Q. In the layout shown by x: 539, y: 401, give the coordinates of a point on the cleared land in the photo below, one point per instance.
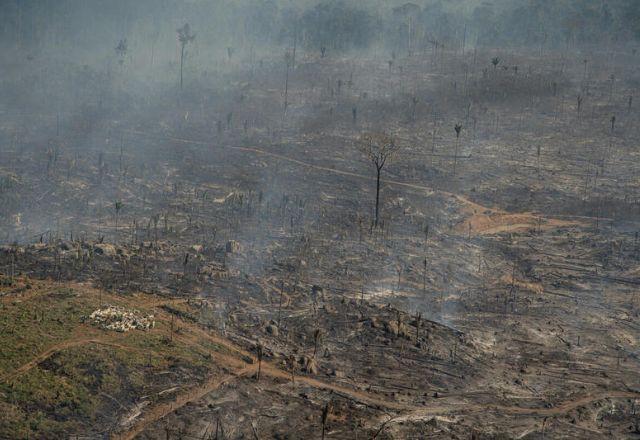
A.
x: 497, y: 300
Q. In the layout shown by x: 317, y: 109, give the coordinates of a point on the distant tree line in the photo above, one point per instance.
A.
x: 323, y: 25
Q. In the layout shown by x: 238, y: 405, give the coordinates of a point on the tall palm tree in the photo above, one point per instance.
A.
x: 184, y: 37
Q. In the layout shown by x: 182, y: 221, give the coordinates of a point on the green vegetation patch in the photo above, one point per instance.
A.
x: 84, y: 388
x: 28, y: 327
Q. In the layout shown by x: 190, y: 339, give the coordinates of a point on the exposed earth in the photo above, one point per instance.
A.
x: 236, y: 242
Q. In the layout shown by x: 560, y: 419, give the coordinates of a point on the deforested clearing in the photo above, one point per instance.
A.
x: 319, y: 219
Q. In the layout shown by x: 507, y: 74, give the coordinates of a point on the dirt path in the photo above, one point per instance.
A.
x: 243, y: 369
x: 194, y: 394
x: 561, y: 409
x: 415, y: 413
x: 268, y: 369
x: 481, y: 220
x: 81, y: 338
x: 360, y: 396
x: 246, y: 365
x: 411, y: 412
x: 71, y: 343
x: 488, y: 221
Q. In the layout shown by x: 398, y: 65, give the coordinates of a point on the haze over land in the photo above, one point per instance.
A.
x: 335, y: 219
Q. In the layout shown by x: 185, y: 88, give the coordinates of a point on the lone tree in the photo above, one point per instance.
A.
x: 184, y: 37
x: 458, y: 129
x: 379, y: 148
x: 613, y: 123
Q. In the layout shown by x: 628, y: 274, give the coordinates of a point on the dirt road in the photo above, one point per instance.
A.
x: 481, y: 219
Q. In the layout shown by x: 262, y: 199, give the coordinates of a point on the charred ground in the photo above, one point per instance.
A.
x: 499, y: 300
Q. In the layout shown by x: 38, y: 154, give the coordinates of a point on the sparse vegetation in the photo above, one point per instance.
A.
x: 293, y: 242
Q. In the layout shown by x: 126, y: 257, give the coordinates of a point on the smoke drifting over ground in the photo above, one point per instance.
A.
x: 319, y: 219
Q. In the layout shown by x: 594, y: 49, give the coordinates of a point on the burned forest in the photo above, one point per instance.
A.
x: 319, y: 219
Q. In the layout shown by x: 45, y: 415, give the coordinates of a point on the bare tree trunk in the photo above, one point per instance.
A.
x: 18, y: 25
x: 295, y: 44
x: 455, y: 156
x: 181, y: 64
x: 286, y: 89
x: 280, y: 303
x: 378, y: 170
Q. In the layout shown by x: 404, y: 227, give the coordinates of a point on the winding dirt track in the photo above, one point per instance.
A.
x: 81, y: 338
x: 562, y: 408
x: 407, y: 412
x: 194, y: 394
x: 411, y: 413
x: 481, y: 221
x: 71, y: 343
x: 244, y: 369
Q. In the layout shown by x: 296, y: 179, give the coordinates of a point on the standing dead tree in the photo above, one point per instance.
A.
x: 579, y: 105
x: 288, y: 60
x: 184, y: 37
x: 458, y: 129
x: 280, y: 303
x: 325, y: 415
x: 260, y: 353
x: 613, y: 123
x: 292, y: 365
x: 317, y: 334
x: 117, y: 206
x: 378, y: 148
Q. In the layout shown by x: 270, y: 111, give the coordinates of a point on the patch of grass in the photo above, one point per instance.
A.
x: 86, y: 386
x: 44, y: 403
x: 28, y: 327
